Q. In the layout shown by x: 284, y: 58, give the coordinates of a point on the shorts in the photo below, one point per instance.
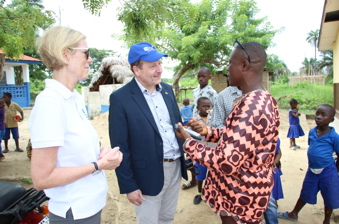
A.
x: 15, y: 133
x: 202, y: 174
x: 327, y: 182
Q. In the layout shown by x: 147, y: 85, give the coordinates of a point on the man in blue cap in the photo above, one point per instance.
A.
x: 142, y: 116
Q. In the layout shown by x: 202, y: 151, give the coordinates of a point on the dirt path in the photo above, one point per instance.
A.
x: 16, y: 167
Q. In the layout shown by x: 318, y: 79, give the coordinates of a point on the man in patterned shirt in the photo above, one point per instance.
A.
x: 240, y: 180
x: 204, y: 90
x: 224, y: 105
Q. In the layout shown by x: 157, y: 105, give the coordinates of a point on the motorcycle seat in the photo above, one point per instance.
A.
x: 9, y: 193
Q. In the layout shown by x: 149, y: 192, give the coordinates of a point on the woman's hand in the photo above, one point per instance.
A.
x: 111, y: 159
x: 104, y: 151
x: 182, y: 134
x: 198, y: 126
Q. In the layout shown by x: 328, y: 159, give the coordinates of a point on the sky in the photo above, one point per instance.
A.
x: 298, y: 17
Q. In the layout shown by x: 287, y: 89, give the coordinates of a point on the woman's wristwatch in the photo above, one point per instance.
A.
x: 96, y: 168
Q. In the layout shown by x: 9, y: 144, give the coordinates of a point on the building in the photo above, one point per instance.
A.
x: 329, y: 40
x: 20, y: 93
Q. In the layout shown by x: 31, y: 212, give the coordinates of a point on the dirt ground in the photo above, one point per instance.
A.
x: 16, y: 168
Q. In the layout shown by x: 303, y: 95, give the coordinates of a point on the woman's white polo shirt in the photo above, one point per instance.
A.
x: 59, y: 118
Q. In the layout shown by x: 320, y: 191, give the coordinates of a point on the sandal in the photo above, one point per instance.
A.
x: 187, y: 185
x: 5, y: 151
x: 18, y: 150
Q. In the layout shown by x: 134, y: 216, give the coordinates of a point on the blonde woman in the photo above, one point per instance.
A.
x: 67, y: 162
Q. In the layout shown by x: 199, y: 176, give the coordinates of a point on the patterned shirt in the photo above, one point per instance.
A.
x: 240, y: 180
x: 208, y: 92
x: 223, y: 107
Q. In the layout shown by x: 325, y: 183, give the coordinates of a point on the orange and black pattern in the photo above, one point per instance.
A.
x: 240, y: 180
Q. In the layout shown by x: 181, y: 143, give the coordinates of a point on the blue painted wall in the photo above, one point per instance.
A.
x: 20, y: 94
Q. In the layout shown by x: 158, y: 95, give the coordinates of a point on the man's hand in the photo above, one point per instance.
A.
x: 135, y: 197
x: 182, y: 134
x: 198, y: 126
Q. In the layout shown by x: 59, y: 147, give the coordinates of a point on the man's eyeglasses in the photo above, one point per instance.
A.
x: 86, y: 52
x: 236, y: 43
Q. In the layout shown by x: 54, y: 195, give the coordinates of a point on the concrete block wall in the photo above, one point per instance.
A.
x: 94, y: 105
x: 219, y: 81
x: 106, y: 91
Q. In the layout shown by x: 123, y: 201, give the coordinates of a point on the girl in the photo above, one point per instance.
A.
x: 277, y: 191
x: 295, y: 130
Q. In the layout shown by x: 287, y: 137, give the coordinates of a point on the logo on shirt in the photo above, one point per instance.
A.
x: 85, y: 113
x: 148, y: 49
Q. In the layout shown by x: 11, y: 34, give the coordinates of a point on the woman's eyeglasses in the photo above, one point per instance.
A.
x: 236, y: 43
x: 86, y: 52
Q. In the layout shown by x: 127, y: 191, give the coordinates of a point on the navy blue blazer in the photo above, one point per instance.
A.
x: 133, y: 128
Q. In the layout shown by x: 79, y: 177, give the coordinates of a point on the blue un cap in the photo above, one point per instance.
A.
x: 144, y: 51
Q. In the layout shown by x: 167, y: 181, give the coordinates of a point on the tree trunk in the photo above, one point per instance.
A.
x: 2, y: 63
x: 178, y: 75
x: 18, y: 75
x: 315, y: 59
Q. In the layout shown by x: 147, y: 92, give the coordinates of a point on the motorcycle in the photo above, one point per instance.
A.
x: 21, y: 206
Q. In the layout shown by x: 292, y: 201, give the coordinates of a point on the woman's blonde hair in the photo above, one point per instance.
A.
x: 54, y: 41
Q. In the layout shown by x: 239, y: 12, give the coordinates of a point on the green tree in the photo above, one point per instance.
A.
x: 327, y: 62
x: 97, y: 56
x: 196, y: 34
x: 20, y: 22
x: 312, y: 38
x: 308, y: 67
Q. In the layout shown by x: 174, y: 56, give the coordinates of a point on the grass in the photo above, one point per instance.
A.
x: 29, y: 180
x: 309, y: 96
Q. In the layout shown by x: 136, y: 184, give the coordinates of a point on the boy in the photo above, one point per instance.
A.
x: 11, y: 109
x: 203, y: 106
x: 322, y: 173
x: 2, y: 125
x: 204, y: 74
x: 186, y: 111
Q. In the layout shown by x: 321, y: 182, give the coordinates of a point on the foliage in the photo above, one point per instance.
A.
x: 195, y: 34
x: 97, y: 56
x: 308, y: 67
x: 309, y: 96
x: 19, y: 25
x: 282, y: 79
x: 327, y: 62
x: 37, y: 71
x: 312, y: 38
x: 277, y: 66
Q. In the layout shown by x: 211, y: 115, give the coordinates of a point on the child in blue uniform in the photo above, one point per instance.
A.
x: 277, y: 191
x: 203, y: 106
x: 186, y: 111
x: 322, y: 173
x: 295, y: 130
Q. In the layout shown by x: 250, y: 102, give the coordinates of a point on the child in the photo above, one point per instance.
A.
x: 322, y: 173
x: 203, y: 106
x: 204, y: 74
x: 295, y: 130
x: 203, y: 90
x: 277, y: 191
x: 2, y: 125
x: 11, y: 109
x: 186, y: 111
